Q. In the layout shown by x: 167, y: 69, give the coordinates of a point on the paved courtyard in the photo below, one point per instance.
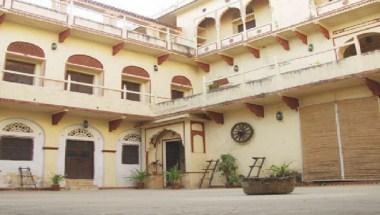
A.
x: 341, y: 200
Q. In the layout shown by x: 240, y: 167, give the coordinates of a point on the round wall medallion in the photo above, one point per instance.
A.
x: 242, y: 132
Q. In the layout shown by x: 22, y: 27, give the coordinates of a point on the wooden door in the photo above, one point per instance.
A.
x: 79, y: 159
x: 321, y: 156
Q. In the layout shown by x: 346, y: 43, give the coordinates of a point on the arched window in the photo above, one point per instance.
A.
x: 134, y: 83
x: 368, y: 42
x: 23, y: 61
x: 180, y: 87
x: 206, y: 31
x: 86, y: 71
x: 230, y: 23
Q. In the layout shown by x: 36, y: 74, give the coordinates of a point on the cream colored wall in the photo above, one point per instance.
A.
x: 113, y: 65
x: 54, y: 133
x: 278, y: 141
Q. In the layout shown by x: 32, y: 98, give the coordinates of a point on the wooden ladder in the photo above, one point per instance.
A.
x: 26, y: 178
x: 258, y: 162
x: 210, y: 169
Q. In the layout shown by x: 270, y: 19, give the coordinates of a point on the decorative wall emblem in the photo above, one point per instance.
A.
x: 80, y: 132
x: 132, y: 138
x: 18, y: 127
x: 242, y: 132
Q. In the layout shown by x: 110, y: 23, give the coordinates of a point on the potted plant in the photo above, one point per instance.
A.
x: 281, y: 181
x: 173, y: 177
x: 139, y: 177
x: 56, y: 180
x: 228, y: 168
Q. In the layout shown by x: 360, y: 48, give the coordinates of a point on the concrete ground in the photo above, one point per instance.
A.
x: 340, y: 200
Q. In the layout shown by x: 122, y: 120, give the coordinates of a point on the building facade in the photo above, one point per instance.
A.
x: 93, y: 92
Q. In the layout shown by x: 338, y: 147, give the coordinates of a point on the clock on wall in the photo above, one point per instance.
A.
x: 242, y: 132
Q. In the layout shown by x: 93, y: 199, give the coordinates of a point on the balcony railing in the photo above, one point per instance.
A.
x: 276, y: 76
x: 335, y: 5
x: 207, y: 48
x: 55, y: 12
x: 79, y: 17
x: 91, y: 25
x: 258, y: 31
x: 97, y: 90
x: 231, y: 40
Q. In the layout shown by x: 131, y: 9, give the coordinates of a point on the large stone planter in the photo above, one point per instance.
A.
x: 268, y: 186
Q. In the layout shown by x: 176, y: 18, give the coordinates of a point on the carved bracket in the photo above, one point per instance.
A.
x: 283, y: 42
x: 324, y: 31
x: 114, y: 124
x: 374, y: 86
x: 301, y: 36
x: 204, y: 66
x: 258, y: 110
x: 117, y: 48
x: 161, y: 59
x: 229, y: 60
x: 254, y: 51
x: 64, y: 35
x: 217, y: 117
x: 2, y: 18
x: 57, y: 117
x: 292, y: 103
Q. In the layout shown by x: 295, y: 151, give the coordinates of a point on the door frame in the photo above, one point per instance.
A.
x: 93, y: 155
x: 164, y: 141
x: 94, y: 136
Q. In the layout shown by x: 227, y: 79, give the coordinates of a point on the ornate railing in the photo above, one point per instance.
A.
x: 335, y: 5
x: 97, y: 26
x: 207, y: 48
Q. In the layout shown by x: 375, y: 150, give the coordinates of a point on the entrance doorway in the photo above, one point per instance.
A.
x: 79, y: 162
x: 175, y: 155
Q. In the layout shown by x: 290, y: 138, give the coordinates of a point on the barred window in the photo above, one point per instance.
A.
x: 16, y: 148
x: 130, y: 154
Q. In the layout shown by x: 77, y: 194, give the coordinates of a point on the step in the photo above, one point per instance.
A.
x: 80, y: 184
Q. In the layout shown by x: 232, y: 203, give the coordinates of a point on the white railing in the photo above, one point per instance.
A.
x: 97, y: 90
x: 55, y: 11
x: 140, y: 37
x: 98, y: 26
x: 231, y: 40
x: 2, y: 2
x: 207, y: 48
x: 335, y: 5
x: 279, y: 67
x: 258, y: 31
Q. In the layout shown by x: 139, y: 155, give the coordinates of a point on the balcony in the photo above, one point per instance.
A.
x: 90, y: 23
x: 231, y: 40
x: 54, y: 12
x: 98, y: 27
x: 58, y: 93
x: 336, y: 5
x: 259, y: 31
x: 272, y: 78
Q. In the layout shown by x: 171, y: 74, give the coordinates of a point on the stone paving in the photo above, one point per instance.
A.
x: 339, y: 200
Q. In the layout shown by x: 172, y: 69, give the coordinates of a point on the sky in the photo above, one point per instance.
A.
x: 143, y: 7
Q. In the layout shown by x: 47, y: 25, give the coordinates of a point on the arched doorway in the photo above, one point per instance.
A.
x: 80, y: 154
x: 128, y: 157
x: 169, y: 152
x: 368, y: 42
x: 230, y: 23
x: 21, y: 145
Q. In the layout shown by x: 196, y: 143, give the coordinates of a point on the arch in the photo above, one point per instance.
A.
x: 77, y: 132
x: 158, y: 136
x: 26, y: 48
x: 181, y: 80
x: 234, y: 11
x: 129, y: 138
x: 23, y: 128
x: 136, y: 71
x: 369, y: 42
x: 206, y: 31
x: 230, y: 20
x: 85, y: 60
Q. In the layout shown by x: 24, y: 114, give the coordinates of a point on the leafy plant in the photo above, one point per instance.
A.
x: 228, y: 167
x: 281, y: 171
x: 173, y: 175
x: 139, y: 176
x: 56, y: 179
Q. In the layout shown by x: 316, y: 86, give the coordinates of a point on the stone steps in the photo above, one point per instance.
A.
x: 80, y: 184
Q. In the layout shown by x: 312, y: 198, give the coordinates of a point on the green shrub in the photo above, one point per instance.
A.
x: 281, y: 171
x: 173, y: 175
x: 139, y: 176
x: 56, y: 179
x: 228, y: 168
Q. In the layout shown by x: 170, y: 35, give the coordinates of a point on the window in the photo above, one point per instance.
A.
x: 249, y: 24
x: 131, y: 86
x: 83, y: 78
x: 16, y: 148
x: 130, y: 154
x: 20, y: 67
x: 176, y: 94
